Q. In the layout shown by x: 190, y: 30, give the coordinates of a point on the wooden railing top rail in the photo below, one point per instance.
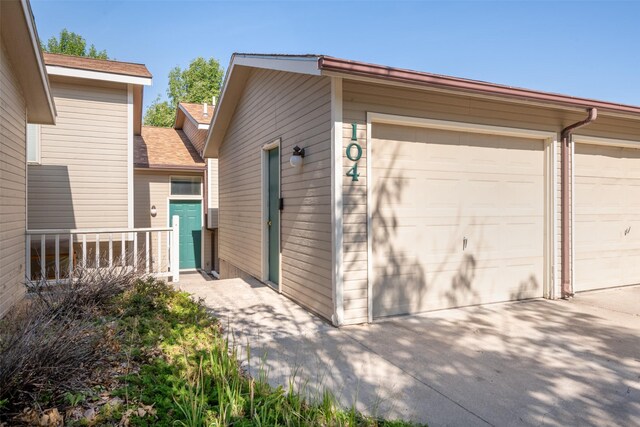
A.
x: 96, y: 230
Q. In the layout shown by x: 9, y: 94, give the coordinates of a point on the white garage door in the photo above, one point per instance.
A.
x: 458, y: 219
x: 607, y: 217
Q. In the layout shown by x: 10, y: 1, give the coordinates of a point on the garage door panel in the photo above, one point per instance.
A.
x: 428, y: 241
x: 451, y: 186
x: 452, y: 285
x: 607, y: 217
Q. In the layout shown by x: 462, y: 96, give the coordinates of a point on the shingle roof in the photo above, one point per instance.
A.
x: 196, y: 111
x: 92, y: 64
x: 162, y: 148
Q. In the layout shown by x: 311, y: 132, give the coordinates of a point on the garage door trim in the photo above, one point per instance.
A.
x: 591, y: 140
x: 550, y: 172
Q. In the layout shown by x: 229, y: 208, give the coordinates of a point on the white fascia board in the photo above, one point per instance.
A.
x: 223, y: 91
x: 36, y: 50
x: 199, y: 126
x: 55, y: 70
x: 301, y: 65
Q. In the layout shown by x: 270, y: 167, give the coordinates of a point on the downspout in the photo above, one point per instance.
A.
x: 565, y: 137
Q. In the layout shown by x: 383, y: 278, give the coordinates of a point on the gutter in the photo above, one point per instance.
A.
x: 168, y: 167
x: 565, y: 137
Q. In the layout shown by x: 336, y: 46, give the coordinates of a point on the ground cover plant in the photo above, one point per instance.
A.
x: 113, y: 349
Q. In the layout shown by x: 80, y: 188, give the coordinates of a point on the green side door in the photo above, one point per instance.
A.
x: 190, y: 214
x: 274, y: 215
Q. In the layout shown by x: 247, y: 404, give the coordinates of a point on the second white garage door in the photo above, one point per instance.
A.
x: 457, y: 219
x: 607, y: 217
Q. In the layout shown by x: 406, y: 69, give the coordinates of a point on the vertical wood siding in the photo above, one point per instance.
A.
x: 12, y: 186
x: 82, y: 180
x: 297, y: 109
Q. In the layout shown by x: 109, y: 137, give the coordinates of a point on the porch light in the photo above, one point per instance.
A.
x: 297, y: 156
x: 154, y: 211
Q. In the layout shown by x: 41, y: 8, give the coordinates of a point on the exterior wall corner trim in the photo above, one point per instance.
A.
x: 337, y: 201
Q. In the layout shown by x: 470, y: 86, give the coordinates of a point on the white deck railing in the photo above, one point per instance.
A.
x: 55, y: 254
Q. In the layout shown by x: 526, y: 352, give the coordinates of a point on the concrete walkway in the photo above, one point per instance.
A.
x: 541, y: 362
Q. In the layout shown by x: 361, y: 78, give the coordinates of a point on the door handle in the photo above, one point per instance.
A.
x: 464, y: 243
x: 269, y: 223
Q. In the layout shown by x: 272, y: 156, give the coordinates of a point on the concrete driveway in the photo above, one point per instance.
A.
x: 540, y: 362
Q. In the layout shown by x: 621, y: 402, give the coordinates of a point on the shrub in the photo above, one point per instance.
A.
x: 50, y: 343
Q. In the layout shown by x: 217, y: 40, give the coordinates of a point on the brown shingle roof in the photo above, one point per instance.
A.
x: 91, y: 64
x: 196, y: 111
x: 163, y: 148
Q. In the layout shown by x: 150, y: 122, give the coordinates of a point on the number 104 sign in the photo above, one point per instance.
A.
x: 354, y: 153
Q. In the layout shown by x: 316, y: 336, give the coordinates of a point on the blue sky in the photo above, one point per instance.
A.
x: 580, y: 48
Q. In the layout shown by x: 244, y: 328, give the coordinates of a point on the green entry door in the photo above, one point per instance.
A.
x: 274, y: 215
x: 190, y: 214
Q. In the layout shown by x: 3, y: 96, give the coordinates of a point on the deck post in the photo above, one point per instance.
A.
x: 28, y: 253
x: 175, y: 249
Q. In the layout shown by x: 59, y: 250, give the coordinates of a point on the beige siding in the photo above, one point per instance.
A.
x: 12, y: 186
x: 360, y: 98
x: 154, y: 189
x: 82, y: 179
x: 297, y: 109
x: 195, y: 135
x: 214, y: 203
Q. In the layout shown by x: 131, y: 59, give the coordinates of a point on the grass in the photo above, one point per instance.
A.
x: 177, y: 368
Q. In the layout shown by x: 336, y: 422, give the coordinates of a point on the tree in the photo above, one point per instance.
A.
x: 70, y: 43
x: 160, y: 113
x: 200, y: 82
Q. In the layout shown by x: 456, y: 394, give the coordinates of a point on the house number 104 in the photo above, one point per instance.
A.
x: 354, y: 153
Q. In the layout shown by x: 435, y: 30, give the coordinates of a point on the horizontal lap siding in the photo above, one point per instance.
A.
x: 12, y: 186
x: 82, y: 181
x: 297, y: 109
x: 195, y: 135
x: 360, y: 98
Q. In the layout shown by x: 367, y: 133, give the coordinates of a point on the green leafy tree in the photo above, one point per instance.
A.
x: 70, y: 43
x: 200, y: 82
x: 160, y: 113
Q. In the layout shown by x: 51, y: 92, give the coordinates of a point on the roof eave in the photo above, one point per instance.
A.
x: 330, y: 65
x: 81, y: 73
x: 182, y: 113
x: 237, y: 74
x: 23, y: 47
x: 170, y: 167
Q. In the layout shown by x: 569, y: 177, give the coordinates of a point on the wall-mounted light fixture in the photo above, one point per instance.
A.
x: 154, y: 211
x: 296, y: 157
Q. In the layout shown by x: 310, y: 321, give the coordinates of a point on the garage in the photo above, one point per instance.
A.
x: 606, y: 215
x: 456, y: 218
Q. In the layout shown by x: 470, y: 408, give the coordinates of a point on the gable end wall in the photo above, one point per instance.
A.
x: 296, y: 109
